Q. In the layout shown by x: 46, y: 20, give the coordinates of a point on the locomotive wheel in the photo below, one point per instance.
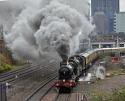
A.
x: 65, y: 90
x: 68, y: 90
x: 61, y: 90
x: 77, y: 79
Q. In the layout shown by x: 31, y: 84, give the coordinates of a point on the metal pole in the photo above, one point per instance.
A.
x: 3, y: 96
x: 117, y: 41
x: 89, y: 43
x: 0, y: 92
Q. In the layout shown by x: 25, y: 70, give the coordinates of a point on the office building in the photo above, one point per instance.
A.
x: 101, y: 22
x: 109, y: 7
x: 119, y: 22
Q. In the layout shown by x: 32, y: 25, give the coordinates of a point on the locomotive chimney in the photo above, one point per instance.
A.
x: 63, y: 51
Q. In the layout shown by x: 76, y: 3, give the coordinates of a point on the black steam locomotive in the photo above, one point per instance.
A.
x: 69, y: 73
x: 77, y: 65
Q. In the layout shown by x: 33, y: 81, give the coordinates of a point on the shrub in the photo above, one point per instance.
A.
x: 1, y: 69
x: 5, y: 67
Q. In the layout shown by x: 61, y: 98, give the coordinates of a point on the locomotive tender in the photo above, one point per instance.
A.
x: 77, y: 65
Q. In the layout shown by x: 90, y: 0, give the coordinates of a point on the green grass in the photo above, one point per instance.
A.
x: 118, y: 95
x: 99, y: 96
x: 115, y: 72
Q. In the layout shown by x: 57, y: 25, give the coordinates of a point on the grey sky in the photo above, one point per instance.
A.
x: 122, y: 4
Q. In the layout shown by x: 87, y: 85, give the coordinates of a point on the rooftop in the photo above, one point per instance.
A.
x: 108, y: 37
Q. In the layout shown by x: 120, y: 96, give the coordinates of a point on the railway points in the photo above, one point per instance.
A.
x: 37, y: 78
x: 10, y: 77
x: 43, y: 89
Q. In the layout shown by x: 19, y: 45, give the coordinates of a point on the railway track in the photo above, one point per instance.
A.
x: 11, y: 72
x: 18, y: 71
x: 46, y: 87
x: 11, y: 76
x: 54, y: 96
x: 81, y: 97
x: 24, y: 68
x: 37, y: 78
x: 62, y: 97
x: 40, y: 69
x: 43, y: 89
x: 71, y: 97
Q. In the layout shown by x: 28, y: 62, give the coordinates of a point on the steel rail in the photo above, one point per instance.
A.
x: 81, y: 97
x: 42, y: 85
x: 13, y: 77
x: 8, y: 73
x: 9, y: 77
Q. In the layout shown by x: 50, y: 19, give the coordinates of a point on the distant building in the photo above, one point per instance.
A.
x: 108, y: 41
x: 101, y: 22
x: 119, y: 22
x: 109, y: 7
x: 103, y: 41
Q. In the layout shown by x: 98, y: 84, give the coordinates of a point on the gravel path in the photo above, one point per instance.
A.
x: 109, y: 84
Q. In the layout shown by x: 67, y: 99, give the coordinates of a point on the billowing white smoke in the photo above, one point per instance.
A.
x: 10, y: 10
x: 100, y: 72
x: 53, y: 27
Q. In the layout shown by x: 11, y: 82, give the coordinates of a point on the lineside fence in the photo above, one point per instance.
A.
x: 3, y: 96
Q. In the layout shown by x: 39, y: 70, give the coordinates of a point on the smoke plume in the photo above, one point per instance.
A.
x: 100, y: 72
x: 46, y: 26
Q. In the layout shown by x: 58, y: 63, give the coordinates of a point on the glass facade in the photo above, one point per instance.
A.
x: 119, y: 22
x: 109, y: 7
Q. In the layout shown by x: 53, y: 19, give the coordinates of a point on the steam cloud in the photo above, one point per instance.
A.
x: 53, y: 25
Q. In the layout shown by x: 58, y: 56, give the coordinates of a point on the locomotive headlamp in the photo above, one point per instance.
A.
x: 64, y: 80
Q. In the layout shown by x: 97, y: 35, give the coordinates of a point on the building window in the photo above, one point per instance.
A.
x: 121, y: 45
x: 95, y: 46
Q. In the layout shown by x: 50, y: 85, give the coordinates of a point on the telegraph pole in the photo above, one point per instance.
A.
x: 117, y: 42
x: 1, y: 39
x: 1, y: 32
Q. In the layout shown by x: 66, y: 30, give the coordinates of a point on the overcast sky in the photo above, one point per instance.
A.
x: 122, y: 5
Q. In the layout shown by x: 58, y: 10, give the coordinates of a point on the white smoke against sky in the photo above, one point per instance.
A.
x: 46, y: 26
x: 82, y: 6
x: 10, y: 9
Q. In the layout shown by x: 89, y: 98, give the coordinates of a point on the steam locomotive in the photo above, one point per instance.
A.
x: 77, y: 65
